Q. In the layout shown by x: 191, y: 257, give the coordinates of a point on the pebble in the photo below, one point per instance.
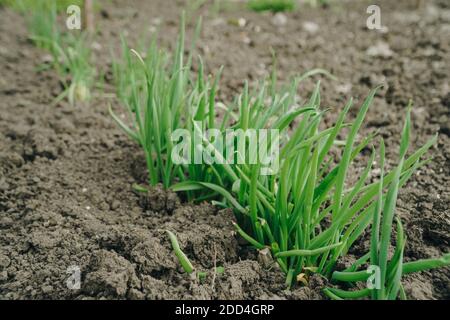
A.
x: 376, y: 172
x: 47, y: 58
x: 156, y: 21
x: 115, y: 204
x: 279, y: 20
x: 96, y: 46
x: 242, y: 22
x: 380, y: 49
x: 245, y: 38
x: 264, y: 257
x: 432, y: 12
x: 310, y: 27
x: 344, y: 88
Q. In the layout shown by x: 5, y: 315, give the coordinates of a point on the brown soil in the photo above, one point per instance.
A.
x: 66, y: 173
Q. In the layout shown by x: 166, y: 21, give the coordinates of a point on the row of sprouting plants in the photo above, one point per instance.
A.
x: 307, y: 214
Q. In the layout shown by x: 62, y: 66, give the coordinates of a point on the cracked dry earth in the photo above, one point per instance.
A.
x: 66, y: 172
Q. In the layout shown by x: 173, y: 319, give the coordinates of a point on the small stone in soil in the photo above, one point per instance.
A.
x: 310, y: 27
x: 380, y: 49
x: 279, y: 20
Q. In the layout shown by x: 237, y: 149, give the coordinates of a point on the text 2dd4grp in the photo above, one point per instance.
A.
x: 225, y: 309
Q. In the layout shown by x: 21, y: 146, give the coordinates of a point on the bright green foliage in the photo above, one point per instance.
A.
x: 391, y: 270
x: 306, y: 212
x: 159, y: 98
x: 281, y: 5
x: 272, y: 5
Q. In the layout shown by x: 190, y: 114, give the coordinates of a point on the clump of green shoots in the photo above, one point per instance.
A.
x: 388, y: 273
x: 305, y: 211
x: 158, y: 95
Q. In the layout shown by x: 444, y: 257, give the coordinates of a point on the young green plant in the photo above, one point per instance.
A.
x: 70, y: 51
x: 182, y: 258
x: 306, y: 213
x: 158, y: 96
x: 186, y: 263
x: 388, y: 272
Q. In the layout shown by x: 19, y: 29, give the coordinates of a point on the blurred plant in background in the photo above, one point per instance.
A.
x: 69, y: 50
